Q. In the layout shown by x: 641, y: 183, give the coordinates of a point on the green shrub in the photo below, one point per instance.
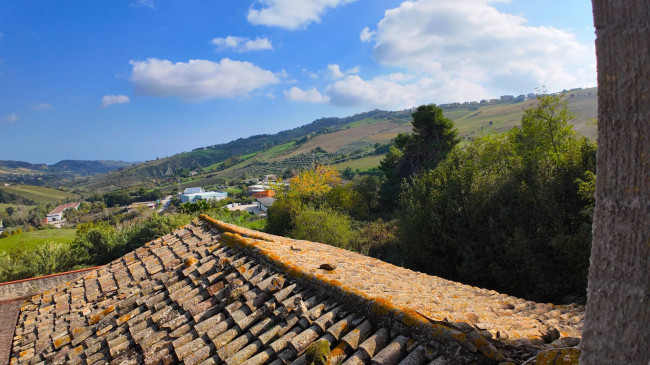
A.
x: 326, y: 226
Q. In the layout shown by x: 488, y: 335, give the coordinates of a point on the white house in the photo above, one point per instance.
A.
x: 57, y: 214
x: 263, y: 204
x: 194, y: 194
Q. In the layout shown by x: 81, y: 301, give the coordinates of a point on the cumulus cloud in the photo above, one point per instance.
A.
x: 42, y: 106
x: 311, y: 96
x: 367, y: 35
x: 470, y: 41
x: 335, y: 72
x: 398, y: 91
x: 109, y: 100
x: 10, y: 119
x: 198, y: 80
x: 291, y: 14
x: 241, y: 44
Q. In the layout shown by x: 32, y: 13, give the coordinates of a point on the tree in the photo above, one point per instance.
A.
x: 325, y: 226
x: 307, y: 189
x: 617, y: 322
x: 10, y: 211
x: 495, y: 215
x: 433, y: 138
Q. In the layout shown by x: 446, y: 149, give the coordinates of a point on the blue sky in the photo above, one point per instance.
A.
x: 135, y: 80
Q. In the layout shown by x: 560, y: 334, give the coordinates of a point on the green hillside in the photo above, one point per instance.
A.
x: 39, y: 194
x: 28, y: 240
x: 337, y: 141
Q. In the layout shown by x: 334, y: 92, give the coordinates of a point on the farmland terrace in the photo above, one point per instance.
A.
x: 214, y: 293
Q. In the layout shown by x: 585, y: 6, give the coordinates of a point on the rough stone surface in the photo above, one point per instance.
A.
x: 256, y: 300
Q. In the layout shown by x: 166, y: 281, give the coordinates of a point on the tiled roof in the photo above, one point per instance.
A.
x: 215, y: 293
x: 267, y: 201
x: 63, y: 207
x: 193, y: 191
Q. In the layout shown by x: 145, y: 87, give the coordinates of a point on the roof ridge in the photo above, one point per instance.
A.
x: 391, y: 312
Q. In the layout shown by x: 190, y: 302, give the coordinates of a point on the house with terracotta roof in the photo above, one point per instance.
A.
x: 268, y: 193
x: 215, y: 293
x: 56, y: 216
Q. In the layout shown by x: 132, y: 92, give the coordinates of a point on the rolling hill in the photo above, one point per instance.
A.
x: 39, y: 194
x: 357, y: 141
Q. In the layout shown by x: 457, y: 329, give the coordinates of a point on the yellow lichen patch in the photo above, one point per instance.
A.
x: 190, y: 261
x: 123, y: 319
x: 336, y: 353
x: 94, y: 319
x: 486, y: 349
x: 62, y: 341
x: 77, y: 350
x: 382, y: 307
x: 78, y: 330
x: 558, y: 357
x: 413, y: 318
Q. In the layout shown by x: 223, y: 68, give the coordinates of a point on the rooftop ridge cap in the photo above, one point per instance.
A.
x: 51, y: 275
x: 403, y: 319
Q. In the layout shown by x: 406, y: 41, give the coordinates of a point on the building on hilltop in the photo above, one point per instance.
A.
x: 56, y: 216
x: 192, y: 195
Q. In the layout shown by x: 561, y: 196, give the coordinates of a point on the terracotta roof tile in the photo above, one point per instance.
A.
x: 213, y: 293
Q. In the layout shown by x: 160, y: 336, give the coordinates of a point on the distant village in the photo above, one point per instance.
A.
x: 262, y: 191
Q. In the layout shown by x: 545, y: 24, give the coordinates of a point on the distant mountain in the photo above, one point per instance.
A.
x: 58, y: 173
x: 90, y: 167
x: 357, y: 141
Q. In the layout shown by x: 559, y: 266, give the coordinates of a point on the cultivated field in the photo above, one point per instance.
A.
x: 364, y: 163
x: 30, y: 240
x: 332, y: 142
x: 39, y: 194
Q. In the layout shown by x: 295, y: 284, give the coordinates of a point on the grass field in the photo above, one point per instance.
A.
x: 32, y: 239
x: 362, y: 164
x: 4, y: 206
x: 39, y: 194
x: 331, y: 142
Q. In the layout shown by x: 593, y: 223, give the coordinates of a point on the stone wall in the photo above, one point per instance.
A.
x: 28, y: 287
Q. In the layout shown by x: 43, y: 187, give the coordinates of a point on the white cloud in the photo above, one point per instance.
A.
x: 42, y: 106
x: 335, y: 71
x: 353, y: 70
x: 310, y: 96
x: 198, y: 80
x: 240, y: 44
x: 367, y: 35
x: 10, y: 119
x: 398, y: 91
x: 291, y: 14
x: 471, y: 42
x: 109, y: 100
